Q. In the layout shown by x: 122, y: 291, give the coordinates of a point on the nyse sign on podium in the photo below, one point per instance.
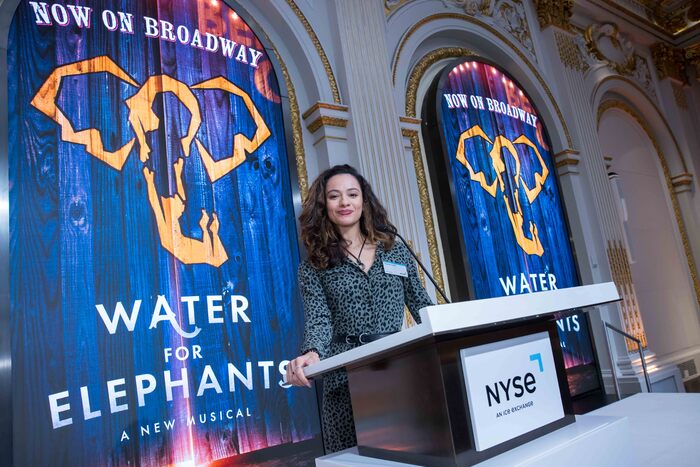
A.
x: 507, y: 200
x: 512, y: 388
x: 153, y: 239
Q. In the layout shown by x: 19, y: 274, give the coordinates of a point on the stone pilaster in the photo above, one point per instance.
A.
x: 585, y: 184
x: 374, y: 129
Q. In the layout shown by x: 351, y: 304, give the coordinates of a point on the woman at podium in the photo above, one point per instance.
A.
x: 354, y: 286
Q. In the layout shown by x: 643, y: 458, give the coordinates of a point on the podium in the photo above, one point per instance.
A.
x: 473, y: 380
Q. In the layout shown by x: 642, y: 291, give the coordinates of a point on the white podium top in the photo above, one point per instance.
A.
x: 441, y: 319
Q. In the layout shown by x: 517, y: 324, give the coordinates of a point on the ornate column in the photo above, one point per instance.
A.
x: 585, y: 185
x: 374, y: 128
x: 554, y: 13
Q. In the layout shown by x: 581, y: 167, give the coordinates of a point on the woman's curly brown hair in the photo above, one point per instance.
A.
x: 321, y: 237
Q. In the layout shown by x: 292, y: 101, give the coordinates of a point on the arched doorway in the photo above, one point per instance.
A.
x: 501, y: 216
x: 657, y: 259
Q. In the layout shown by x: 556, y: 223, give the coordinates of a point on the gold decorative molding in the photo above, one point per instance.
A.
x: 567, y: 161
x: 457, y: 16
x: 570, y: 53
x: 669, y: 61
x: 420, y: 68
x: 319, y: 49
x: 410, y: 120
x: 392, y: 5
x: 323, y: 105
x: 605, y: 43
x: 325, y: 120
x: 421, y: 275
x: 682, y: 183
x: 554, y: 13
x: 299, y: 153
x: 509, y: 15
x: 567, y: 157
x: 622, y: 276
x: 428, y: 223
x: 623, y: 106
x: 682, y: 179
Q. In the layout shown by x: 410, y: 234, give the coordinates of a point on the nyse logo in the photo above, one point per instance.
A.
x: 515, y: 386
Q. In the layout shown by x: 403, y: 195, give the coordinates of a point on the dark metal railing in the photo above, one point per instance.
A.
x: 612, y: 360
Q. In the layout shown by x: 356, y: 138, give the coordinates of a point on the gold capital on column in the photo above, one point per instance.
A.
x: 669, y: 61
x: 554, y: 13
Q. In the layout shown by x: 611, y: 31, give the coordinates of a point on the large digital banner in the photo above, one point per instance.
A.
x: 507, y: 199
x: 153, y: 242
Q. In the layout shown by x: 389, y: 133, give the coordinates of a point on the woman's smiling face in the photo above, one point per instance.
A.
x: 344, y: 200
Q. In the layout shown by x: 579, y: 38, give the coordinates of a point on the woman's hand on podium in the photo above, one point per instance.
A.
x: 295, y: 369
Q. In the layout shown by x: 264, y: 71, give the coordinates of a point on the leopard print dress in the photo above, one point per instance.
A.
x: 346, y: 300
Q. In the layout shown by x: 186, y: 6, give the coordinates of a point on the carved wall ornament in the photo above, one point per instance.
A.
x: 583, y: 52
x: 605, y: 42
x: 570, y: 52
x: 642, y: 75
x: 670, y: 62
x: 392, y: 5
x: 508, y: 15
x: 555, y: 13
x: 472, y: 7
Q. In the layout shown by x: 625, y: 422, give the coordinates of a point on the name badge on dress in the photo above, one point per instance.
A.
x: 395, y: 268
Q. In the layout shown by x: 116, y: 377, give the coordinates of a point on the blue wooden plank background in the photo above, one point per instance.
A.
x: 83, y: 234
